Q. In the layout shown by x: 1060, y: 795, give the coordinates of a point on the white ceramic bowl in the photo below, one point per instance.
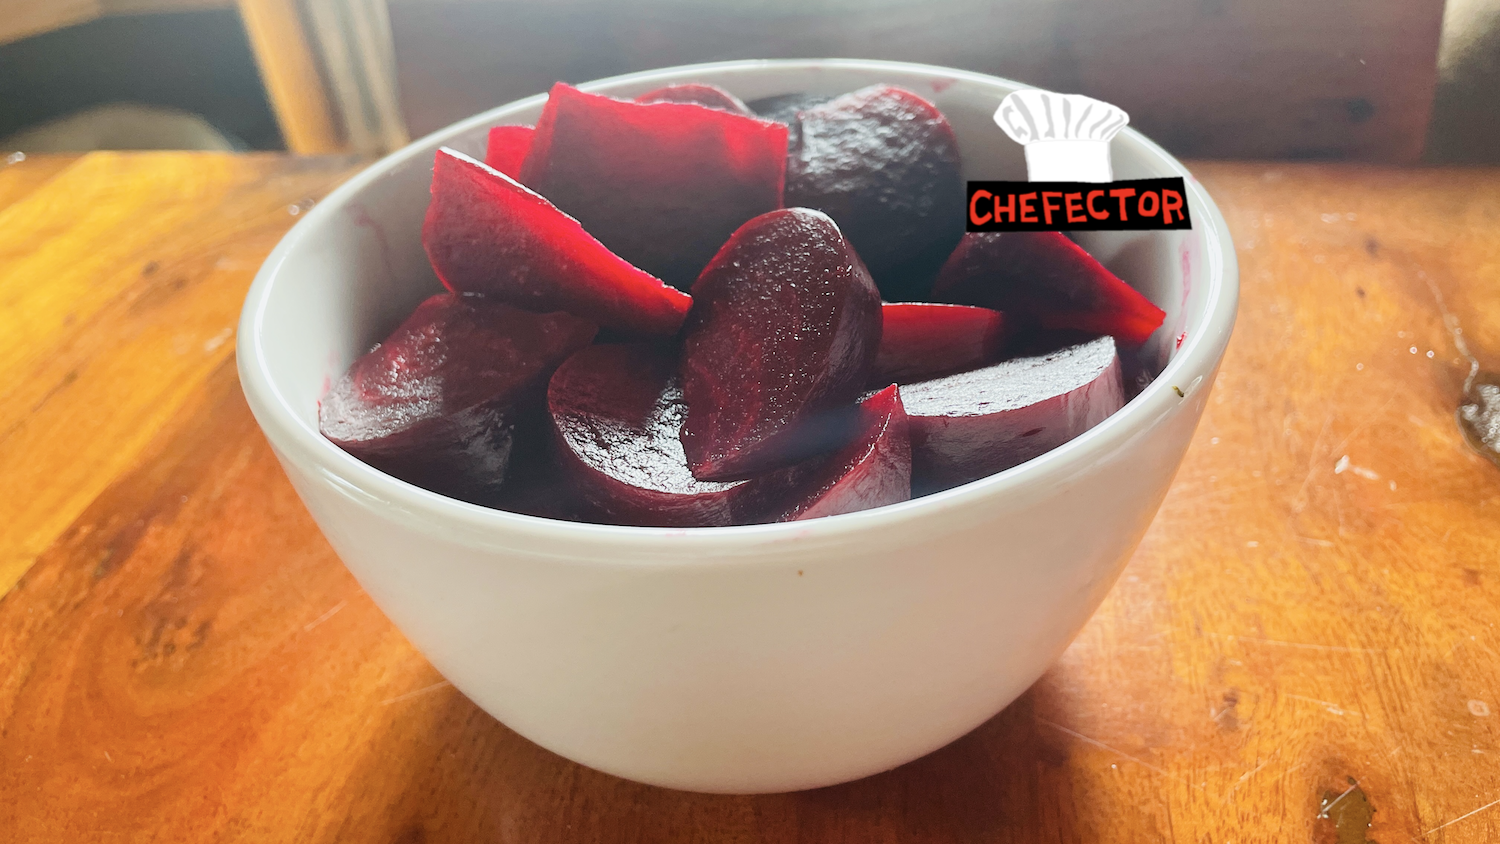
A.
x: 746, y: 659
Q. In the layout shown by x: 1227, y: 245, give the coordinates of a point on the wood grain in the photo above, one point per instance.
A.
x: 119, y: 285
x: 1303, y: 649
x: 21, y: 174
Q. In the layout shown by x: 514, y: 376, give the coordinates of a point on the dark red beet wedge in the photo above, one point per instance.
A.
x: 534, y: 487
x: 871, y: 471
x: 973, y: 424
x: 507, y: 148
x: 616, y: 411
x: 919, y: 341
x: 485, y: 233
x: 661, y: 184
x: 436, y: 403
x: 1044, y: 278
x: 784, y: 328
x: 883, y: 162
x: 710, y: 96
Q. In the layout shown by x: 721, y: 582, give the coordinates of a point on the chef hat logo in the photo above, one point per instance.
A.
x: 1066, y: 135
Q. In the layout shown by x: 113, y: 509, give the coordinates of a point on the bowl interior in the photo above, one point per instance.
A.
x: 354, y: 267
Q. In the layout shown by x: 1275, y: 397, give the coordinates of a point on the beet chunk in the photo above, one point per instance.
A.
x: 883, y: 162
x: 535, y: 487
x: 709, y: 96
x: 507, y: 148
x: 616, y: 411
x: 661, y: 184
x: 1044, y: 278
x: 871, y: 471
x: 919, y: 341
x: 967, y: 426
x: 783, y: 331
x: 485, y: 233
x: 437, y: 402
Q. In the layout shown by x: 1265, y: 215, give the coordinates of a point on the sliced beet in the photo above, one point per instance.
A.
x: 920, y: 340
x: 783, y: 331
x: 616, y: 411
x: 873, y: 470
x: 536, y: 488
x: 437, y: 402
x: 507, y: 148
x: 1044, y: 278
x: 710, y: 96
x: 486, y: 233
x: 883, y: 162
x: 534, y: 483
x: 976, y: 423
x: 661, y: 184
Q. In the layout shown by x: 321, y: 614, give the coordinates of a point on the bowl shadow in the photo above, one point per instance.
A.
x: 1010, y: 780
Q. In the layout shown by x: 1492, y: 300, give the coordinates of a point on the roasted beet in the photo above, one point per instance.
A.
x: 973, y: 424
x: 919, y: 341
x: 1048, y: 280
x: 436, y: 403
x: 738, y: 404
x: 485, y: 233
x: 883, y: 162
x: 534, y: 486
x: 537, y: 488
x: 661, y: 184
x: 784, y: 328
x: 616, y: 411
x: 873, y: 470
x: 710, y: 96
x: 507, y: 149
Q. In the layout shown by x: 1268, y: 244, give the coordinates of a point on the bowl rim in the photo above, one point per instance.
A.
x: 295, y: 439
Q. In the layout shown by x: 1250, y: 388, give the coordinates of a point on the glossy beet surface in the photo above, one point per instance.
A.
x: 738, y: 404
x: 919, y: 341
x: 616, y: 411
x: 661, y: 184
x: 967, y: 426
x: 883, y: 162
x: 710, y: 96
x: 784, y: 328
x: 437, y: 402
x: 873, y: 470
x: 485, y: 233
x: 507, y: 148
x: 1047, y: 279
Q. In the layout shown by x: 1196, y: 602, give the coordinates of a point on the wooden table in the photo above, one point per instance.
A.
x: 1304, y: 647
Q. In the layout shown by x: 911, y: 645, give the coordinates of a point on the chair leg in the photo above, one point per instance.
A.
x: 354, y: 39
x: 289, y: 70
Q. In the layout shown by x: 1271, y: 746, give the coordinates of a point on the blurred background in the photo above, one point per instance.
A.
x: 1394, y: 81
